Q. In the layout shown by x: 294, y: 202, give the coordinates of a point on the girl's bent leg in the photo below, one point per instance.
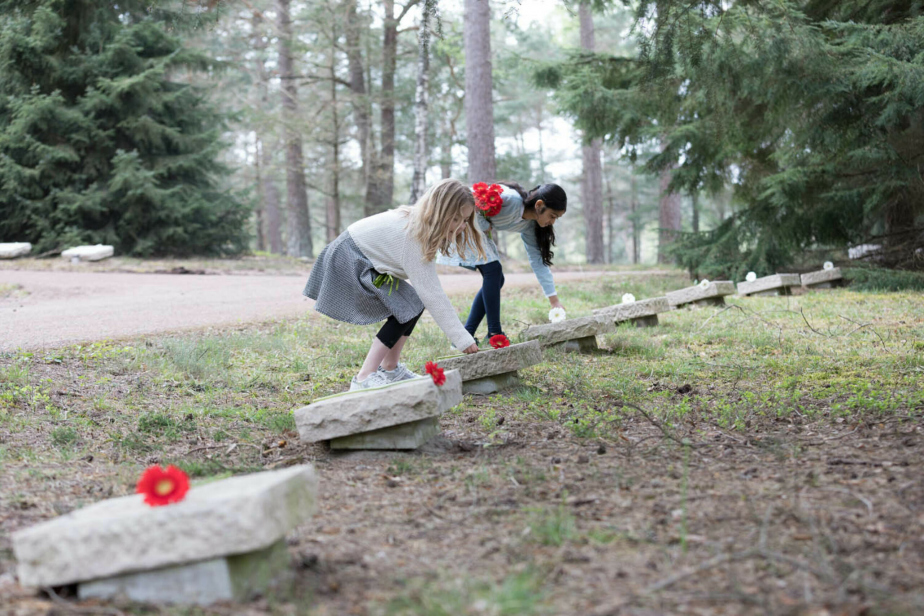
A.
x: 376, y: 354
x: 493, y: 275
x: 476, y: 315
x: 394, y: 335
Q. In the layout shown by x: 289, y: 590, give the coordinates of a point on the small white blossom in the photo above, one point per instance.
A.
x: 704, y: 283
x: 557, y: 315
x: 751, y: 277
x: 628, y: 298
x: 828, y: 265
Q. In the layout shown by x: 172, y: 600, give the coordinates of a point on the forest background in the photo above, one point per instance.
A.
x: 728, y: 135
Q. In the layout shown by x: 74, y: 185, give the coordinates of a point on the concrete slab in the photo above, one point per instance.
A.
x: 491, y: 384
x: 13, y: 250
x: 409, y: 435
x: 89, y: 253
x: 233, y: 578
x: 364, y: 411
x: 494, y: 362
x: 123, y: 535
x: 777, y: 284
x: 570, y: 329
x: 643, y: 313
x: 823, y: 279
x: 712, y: 294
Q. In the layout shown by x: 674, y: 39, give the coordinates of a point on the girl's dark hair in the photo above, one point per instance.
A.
x: 553, y: 196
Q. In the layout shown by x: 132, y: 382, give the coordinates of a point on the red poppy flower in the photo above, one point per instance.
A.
x: 437, y: 373
x: 488, y: 198
x: 499, y: 341
x: 163, y: 486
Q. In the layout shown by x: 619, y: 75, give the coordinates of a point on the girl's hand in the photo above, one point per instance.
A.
x: 471, y: 349
x: 553, y: 299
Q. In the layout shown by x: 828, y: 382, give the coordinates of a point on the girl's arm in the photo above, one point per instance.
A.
x: 422, y: 275
x: 542, y: 271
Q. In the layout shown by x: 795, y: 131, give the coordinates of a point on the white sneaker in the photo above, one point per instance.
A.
x: 373, y: 380
x: 400, y: 373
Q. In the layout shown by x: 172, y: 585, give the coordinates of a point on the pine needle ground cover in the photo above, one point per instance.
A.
x: 763, y: 457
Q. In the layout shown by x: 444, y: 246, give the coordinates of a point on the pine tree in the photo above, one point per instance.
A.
x: 104, y: 136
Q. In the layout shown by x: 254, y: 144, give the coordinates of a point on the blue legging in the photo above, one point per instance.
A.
x: 487, y: 302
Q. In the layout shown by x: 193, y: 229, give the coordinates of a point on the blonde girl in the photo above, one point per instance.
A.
x: 362, y: 276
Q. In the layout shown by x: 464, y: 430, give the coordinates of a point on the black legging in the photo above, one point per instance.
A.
x: 488, y: 301
x: 392, y: 331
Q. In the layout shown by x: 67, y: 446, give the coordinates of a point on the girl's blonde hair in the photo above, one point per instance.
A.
x: 431, y: 218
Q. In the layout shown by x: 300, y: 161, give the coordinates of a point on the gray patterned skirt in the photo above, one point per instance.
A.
x: 341, y: 285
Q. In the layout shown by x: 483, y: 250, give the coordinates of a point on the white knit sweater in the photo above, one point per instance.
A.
x: 387, y: 242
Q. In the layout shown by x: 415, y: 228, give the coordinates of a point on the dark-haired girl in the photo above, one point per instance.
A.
x: 532, y: 214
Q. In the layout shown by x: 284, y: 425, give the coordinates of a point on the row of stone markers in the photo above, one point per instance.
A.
x: 14, y: 250
x: 226, y: 540
x: 783, y: 284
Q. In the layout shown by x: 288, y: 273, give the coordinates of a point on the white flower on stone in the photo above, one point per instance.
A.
x: 557, y: 314
x: 704, y: 283
x: 628, y: 298
x: 828, y: 265
x: 751, y: 277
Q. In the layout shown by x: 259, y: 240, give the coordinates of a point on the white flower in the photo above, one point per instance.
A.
x: 628, y: 298
x: 557, y: 314
x: 751, y: 277
x: 828, y: 265
x: 704, y: 283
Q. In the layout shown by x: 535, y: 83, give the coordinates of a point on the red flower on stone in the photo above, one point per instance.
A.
x: 499, y: 341
x: 163, y: 486
x: 488, y: 198
x: 437, y: 373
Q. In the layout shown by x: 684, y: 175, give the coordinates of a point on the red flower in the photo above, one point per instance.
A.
x: 162, y: 487
x: 488, y: 198
x: 439, y: 377
x: 499, y: 341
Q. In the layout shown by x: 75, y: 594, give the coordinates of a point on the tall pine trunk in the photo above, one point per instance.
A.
x: 362, y: 107
x: 332, y: 213
x: 636, y: 223
x: 668, y: 216
x: 381, y: 189
x: 479, y: 106
x: 298, y: 218
x: 418, y: 184
x: 271, y: 229
x: 592, y: 184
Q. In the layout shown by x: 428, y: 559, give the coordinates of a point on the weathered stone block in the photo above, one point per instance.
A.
x: 13, y: 250
x: 88, y: 253
x: 644, y: 313
x: 491, y: 384
x: 123, y: 535
x: 777, y: 284
x: 823, y: 278
x: 569, y: 329
x: 363, y: 411
x: 233, y: 578
x: 409, y: 435
x: 711, y: 294
x: 587, y: 344
x: 495, y: 361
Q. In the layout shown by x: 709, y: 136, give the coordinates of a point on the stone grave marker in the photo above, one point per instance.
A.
x: 571, y: 334
x: 777, y: 284
x: 712, y: 294
x: 88, y: 253
x: 12, y: 250
x: 224, y: 542
x: 643, y: 313
x: 489, y: 371
x: 823, y: 279
x: 402, y: 415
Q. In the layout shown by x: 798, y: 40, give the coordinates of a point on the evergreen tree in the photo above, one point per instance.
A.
x: 104, y: 136
x: 815, y: 108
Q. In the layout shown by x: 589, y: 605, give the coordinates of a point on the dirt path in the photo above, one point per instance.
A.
x: 51, y: 309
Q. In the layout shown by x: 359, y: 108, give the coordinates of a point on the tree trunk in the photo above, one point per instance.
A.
x: 694, y: 196
x: 668, y: 217
x: 381, y: 197
x: 332, y: 217
x: 592, y: 184
x: 362, y: 108
x: 418, y: 184
x: 299, y: 220
x: 636, y: 223
x: 479, y: 106
x: 268, y: 193
x: 259, y: 213
x: 610, y: 216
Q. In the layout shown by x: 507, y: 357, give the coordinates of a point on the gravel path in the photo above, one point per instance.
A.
x: 52, y: 309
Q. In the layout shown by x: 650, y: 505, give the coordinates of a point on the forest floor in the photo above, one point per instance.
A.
x: 761, y: 458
